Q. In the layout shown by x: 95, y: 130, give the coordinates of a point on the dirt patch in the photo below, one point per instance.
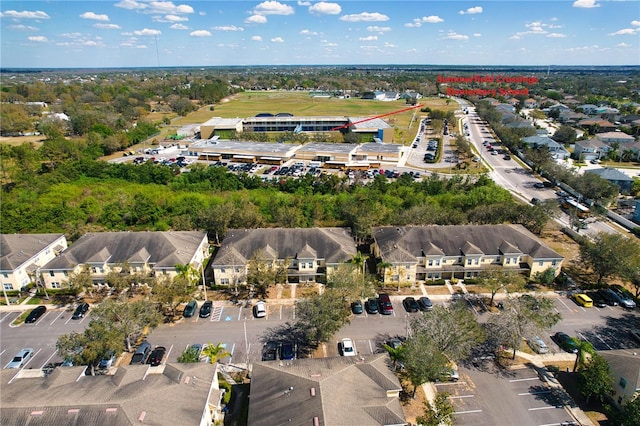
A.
x: 412, y: 407
x: 442, y: 290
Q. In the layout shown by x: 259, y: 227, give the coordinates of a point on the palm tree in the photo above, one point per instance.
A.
x: 215, y: 352
x: 382, y: 268
x: 360, y: 260
x: 584, y: 348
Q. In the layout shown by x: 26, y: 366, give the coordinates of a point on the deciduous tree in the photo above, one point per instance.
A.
x: 595, y: 378
x: 438, y: 413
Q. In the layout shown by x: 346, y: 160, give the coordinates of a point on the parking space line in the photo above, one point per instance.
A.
x: 56, y: 318
x: 565, y: 305
x: 5, y: 316
x: 524, y: 380
x: 166, y: 358
x: 467, y: 412
x: 534, y: 393
x: 544, y: 408
x: 281, y: 311
x: 370, y: 346
x: 48, y: 359
x: 3, y: 351
x: 240, y: 314
x: 462, y: 396
x: 602, y: 340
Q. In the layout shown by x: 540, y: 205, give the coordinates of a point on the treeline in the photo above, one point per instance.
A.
x: 81, y: 195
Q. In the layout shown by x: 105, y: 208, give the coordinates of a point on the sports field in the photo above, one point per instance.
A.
x: 249, y: 104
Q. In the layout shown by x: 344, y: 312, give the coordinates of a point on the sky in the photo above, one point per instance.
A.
x: 142, y: 33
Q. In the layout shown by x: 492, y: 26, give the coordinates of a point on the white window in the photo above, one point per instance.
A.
x: 430, y: 262
x: 498, y: 258
x: 319, y: 263
x: 222, y: 270
x: 52, y: 274
x: 56, y: 285
x: 468, y: 261
x: 508, y: 260
x: 541, y: 263
x: 554, y: 263
x: 8, y: 286
x: 224, y: 281
x: 310, y: 264
x: 476, y: 261
x: 437, y: 262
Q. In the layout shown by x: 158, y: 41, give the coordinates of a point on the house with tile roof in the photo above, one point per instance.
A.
x: 434, y: 252
x: 151, y: 253
x: 625, y: 371
x: 171, y: 394
x: 359, y: 390
x: 21, y: 255
x: 309, y: 254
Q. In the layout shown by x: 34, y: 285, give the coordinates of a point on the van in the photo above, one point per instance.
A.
x: 583, y: 300
x: 299, y: 164
x: 386, y: 307
x: 315, y: 164
x: 141, y: 354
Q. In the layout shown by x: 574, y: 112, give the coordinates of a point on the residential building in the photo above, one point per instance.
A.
x: 589, y: 109
x: 615, y: 137
x: 530, y: 103
x: 590, y: 149
x: 556, y: 149
x: 419, y: 253
x: 21, y: 255
x: 615, y: 176
x: 597, y: 125
x: 309, y: 254
x: 625, y: 372
x: 151, y: 253
x: 358, y: 390
x: 172, y: 394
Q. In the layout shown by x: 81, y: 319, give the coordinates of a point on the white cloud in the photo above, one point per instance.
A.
x: 39, y: 39
x: 625, y: 31
x: 417, y: 22
x: 228, y: 28
x: 175, y: 18
x: 324, y: 8
x: 256, y: 19
x: 200, y: 33
x: 390, y: 45
x: 131, y: 5
x: 25, y: 14
x: 635, y: 23
x: 587, y: 4
x: 107, y: 26
x: 22, y: 28
x: 365, y: 17
x: 471, y: 11
x: 277, y: 40
x: 179, y: 27
x: 452, y: 35
x: 377, y: 29
x: 623, y: 44
x: 94, y: 16
x: 304, y: 3
x: 256, y: 38
x: 477, y: 35
x: 273, y: 8
x: 368, y: 38
x: 556, y: 35
x: 147, y: 32
x: 308, y: 32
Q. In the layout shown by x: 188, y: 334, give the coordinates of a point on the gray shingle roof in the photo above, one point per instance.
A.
x: 610, y: 174
x: 162, y: 249
x: 348, y: 390
x: 16, y: 249
x: 335, y: 245
x: 106, y: 400
x: 407, y: 243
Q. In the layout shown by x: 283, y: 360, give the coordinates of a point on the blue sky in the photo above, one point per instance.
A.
x: 141, y: 33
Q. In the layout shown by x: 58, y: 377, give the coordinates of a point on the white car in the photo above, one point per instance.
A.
x: 260, y: 310
x: 21, y: 358
x: 347, y: 347
x: 538, y: 345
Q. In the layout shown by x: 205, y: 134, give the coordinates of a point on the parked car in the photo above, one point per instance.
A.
x: 385, y: 305
x: 156, y: 356
x: 80, y: 311
x: 190, y: 309
x: 424, y: 303
x: 347, y: 348
x: 35, y: 313
x: 21, y: 358
x: 372, y: 306
x: 141, y: 354
x: 538, y: 345
x: 624, y: 300
x: 205, y: 309
x: 270, y: 351
x: 566, y: 342
x: 410, y: 304
x: 260, y: 309
x: 448, y: 374
x: 196, y: 348
x: 287, y: 351
x: 608, y: 296
x: 598, y: 301
x: 356, y: 307
x: 108, y: 360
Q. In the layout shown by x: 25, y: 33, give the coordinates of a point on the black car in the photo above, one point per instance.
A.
x: 372, y: 306
x: 410, y: 304
x: 566, y: 342
x: 287, y: 351
x: 80, y: 311
x: 608, y: 296
x: 270, y: 351
x: 205, y: 309
x: 156, y: 356
x: 424, y: 303
x: 36, y: 313
x: 598, y: 301
x: 356, y: 307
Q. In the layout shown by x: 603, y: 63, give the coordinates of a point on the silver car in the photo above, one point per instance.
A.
x: 21, y: 358
x: 538, y: 345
